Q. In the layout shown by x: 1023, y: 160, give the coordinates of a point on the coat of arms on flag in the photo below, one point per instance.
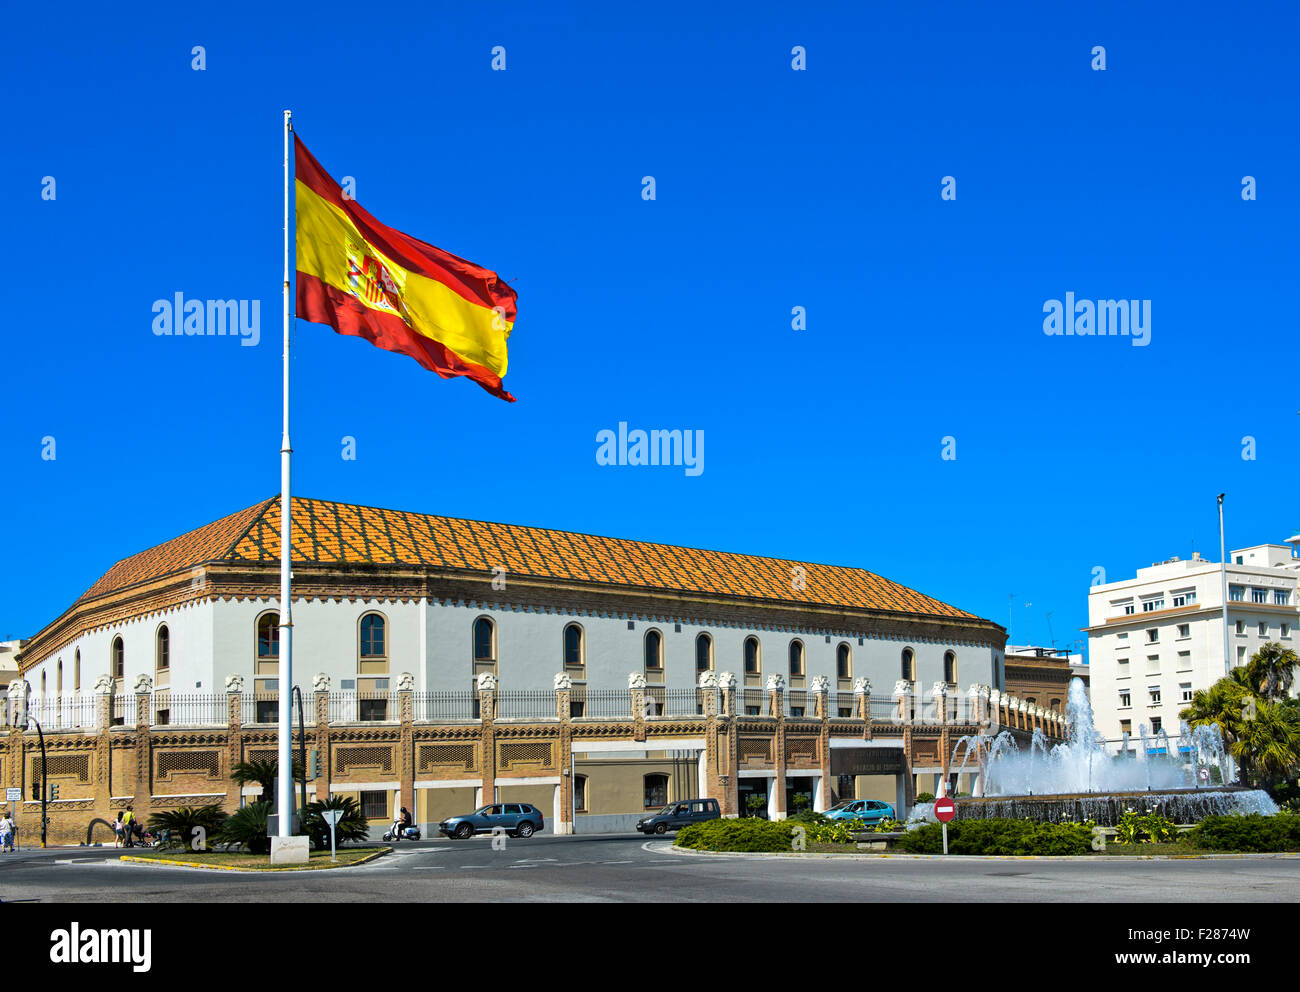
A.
x: 376, y: 284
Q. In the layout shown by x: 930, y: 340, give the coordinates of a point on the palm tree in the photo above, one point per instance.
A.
x: 1272, y: 670
x: 265, y: 772
x: 1268, y: 746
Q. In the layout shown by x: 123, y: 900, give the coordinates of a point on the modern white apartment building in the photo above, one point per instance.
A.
x: 1155, y: 639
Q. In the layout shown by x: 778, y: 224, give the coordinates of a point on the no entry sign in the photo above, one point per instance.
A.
x: 944, y: 809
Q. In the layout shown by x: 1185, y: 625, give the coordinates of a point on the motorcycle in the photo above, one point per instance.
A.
x: 410, y: 833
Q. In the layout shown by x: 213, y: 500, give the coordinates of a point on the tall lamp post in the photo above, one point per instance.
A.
x: 1223, y: 581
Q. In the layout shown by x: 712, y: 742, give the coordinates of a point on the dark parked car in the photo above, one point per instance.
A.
x: 517, y: 819
x: 679, y: 814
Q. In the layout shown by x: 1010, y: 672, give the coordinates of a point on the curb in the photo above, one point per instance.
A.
x: 208, y: 867
x: 859, y: 856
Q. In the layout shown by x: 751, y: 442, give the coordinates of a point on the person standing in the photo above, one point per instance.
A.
x: 128, y: 826
x: 118, y: 829
x: 6, y: 833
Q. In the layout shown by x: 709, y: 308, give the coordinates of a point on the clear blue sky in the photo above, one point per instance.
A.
x: 775, y: 189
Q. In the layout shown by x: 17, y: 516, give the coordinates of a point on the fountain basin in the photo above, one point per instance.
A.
x: 1105, y: 809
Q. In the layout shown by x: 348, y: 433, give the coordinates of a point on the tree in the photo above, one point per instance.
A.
x: 351, y: 827
x: 1272, y: 671
x: 1268, y: 746
x: 247, y: 827
x: 193, y: 827
x: 264, y: 772
x: 1261, y: 733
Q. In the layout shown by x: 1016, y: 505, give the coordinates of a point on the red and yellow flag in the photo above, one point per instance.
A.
x: 364, y: 278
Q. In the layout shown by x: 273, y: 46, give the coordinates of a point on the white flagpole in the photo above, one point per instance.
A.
x: 284, y: 792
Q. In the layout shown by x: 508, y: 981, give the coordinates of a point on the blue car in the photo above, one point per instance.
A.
x: 516, y: 819
x: 869, y: 811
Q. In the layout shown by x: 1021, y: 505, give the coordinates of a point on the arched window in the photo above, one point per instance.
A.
x: 753, y: 657
x: 654, y: 651
x: 163, y: 661
x: 950, y: 667
x: 909, y: 665
x: 704, y: 653
x: 575, y: 654
x: 1056, y: 706
x: 656, y: 791
x: 844, y: 661
x: 58, y: 679
x: 42, y: 682
x: 485, y: 647
x: 796, y: 659
x: 373, y: 642
x: 268, y: 637
x: 117, y: 656
x: 76, y: 670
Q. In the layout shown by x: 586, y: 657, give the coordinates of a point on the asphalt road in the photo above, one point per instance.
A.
x: 630, y: 868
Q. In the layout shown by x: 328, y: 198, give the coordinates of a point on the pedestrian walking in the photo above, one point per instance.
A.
x: 118, y: 829
x: 6, y: 833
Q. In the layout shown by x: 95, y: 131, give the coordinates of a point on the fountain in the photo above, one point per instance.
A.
x: 1079, y: 779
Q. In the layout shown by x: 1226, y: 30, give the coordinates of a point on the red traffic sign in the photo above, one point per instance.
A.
x: 944, y: 809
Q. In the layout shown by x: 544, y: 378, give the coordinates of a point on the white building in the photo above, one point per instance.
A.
x: 1155, y: 639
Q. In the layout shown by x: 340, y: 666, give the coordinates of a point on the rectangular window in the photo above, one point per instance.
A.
x: 1125, y: 699
x: 845, y: 711
x: 1128, y: 609
x: 1185, y: 691
x: 1184, y: 661
x: 1126, y: 726
x: 1122, y: 663
x: 1184, y: 630
x: 1122, y: 637
x: 374, y: 805
x: 1236, y: 593
x: 1151, y: 605
x: 577, y: 707
x: 372, y: 710
x: 753, y: 711
x: 796, y: 710
x: 1153, y: 635
x: 1154, y: 693
x: 164, y: 718
x: 1185, y: 598
x: 1286, y: 630
x: 1258, y: 595
x: 1281, y: 597
x: 1155, y: 724
x: 1263, y: 628
x: 1241, y: 626
x: 1241, y: 656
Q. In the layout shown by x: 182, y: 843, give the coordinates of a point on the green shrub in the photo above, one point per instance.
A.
x: 807, y: 816
x: 1247, y: 833
x: 925, y: 797
x: 351, y: 827
x: 750, y: 834
x: 187, y: 826
x: 999, y: 837
x: 247, y: 827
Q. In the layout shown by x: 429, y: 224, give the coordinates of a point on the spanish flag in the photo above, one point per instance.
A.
x: 399, y: 293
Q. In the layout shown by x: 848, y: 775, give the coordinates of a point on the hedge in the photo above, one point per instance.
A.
x: 1013, y: 837
x: 1251, y: 833
x: 736, y: 835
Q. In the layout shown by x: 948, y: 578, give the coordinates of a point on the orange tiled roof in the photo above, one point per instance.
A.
x: 326, y: 532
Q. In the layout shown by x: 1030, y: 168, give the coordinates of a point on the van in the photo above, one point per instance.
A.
x: 680, y: 814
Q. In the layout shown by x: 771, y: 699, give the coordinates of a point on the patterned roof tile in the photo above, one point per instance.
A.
x: 329, y: 532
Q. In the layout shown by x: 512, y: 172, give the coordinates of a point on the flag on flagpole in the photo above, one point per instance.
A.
x: 402, y: 294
